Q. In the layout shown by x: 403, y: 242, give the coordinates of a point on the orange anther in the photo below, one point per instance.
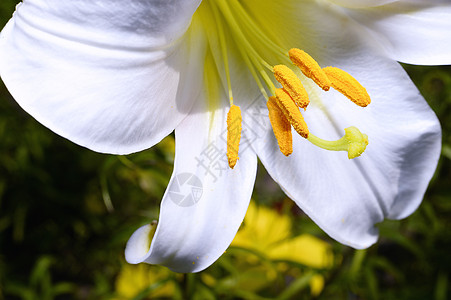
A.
x: 348, y: 86
x: 281, y: 127
x: 309, y: 67
x: 292, y: 113
x: 233, y: 134
x: 292, y: 84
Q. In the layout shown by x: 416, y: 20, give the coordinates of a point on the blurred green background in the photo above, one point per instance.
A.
x: 67, y: 212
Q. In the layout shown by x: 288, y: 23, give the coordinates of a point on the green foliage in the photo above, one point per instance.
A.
x: 66, y: 214
x: 39, y: 285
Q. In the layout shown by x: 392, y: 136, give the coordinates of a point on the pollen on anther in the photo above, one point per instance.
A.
x: 233, y: 134
x: 348, y: 86
x: 281, y: 127
x: 291, y: 112
x: 309, y: 67
x: 292, y: 84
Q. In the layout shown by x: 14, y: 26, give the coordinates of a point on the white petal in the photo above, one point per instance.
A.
x: 112, y: 76
x: 375, y: 3
x: 416, y: 33
x: 348, y: 197
x: 205, y: 202
x: 362, y: 3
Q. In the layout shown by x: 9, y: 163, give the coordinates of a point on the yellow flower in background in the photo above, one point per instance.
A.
x: 136, y: 279
x: 271, y: 234
x: 316, y: 285
x: 262, y: 228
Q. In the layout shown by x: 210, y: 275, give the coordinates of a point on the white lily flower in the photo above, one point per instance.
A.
x: 118, y: 76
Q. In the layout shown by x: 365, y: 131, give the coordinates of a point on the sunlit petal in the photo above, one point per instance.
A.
x: 112, y: 76
x: 413, y: 32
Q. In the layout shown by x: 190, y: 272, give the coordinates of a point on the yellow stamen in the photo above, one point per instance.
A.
x: 229, y: 25
x: 354, y: 142
x: 281, y: 127
x: 348, y: 86
x: 233, y: 134
x: 309, y: 67
x: 291, y: 112
x: 292, y: 85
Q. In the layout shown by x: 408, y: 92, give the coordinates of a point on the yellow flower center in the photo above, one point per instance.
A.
x: 232, y: 31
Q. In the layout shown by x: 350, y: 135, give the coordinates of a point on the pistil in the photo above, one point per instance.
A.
x: 354, y: 142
